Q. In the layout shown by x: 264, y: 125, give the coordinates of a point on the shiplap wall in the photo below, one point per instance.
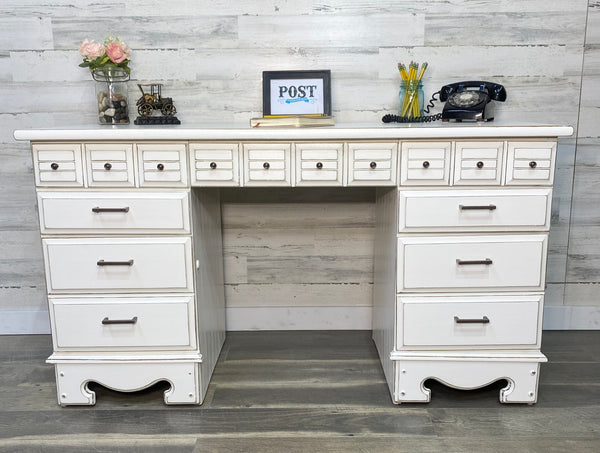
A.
x: 301, y: 259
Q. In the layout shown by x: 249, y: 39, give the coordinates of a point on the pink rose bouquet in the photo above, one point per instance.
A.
x: 114, y: 53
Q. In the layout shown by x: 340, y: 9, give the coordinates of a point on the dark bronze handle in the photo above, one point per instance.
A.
x: 54, y: 166
x: 533, y: 164
x: 115, y: 263
x: 489, y: 207
x: 426, y: 164
x: 107, y: 166
x: 213, y: 165
x: 266, y: 165
x: 319, y: 165
x: 373, y: 165
x: 484, y: 320
x: 486, y: 261
x: 97, y: 209
x: 120, y: 321
x: 160, y: 167
x: 479, y: 164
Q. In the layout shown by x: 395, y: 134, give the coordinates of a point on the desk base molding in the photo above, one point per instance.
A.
x: 466, y: 373
x: 73, y: 377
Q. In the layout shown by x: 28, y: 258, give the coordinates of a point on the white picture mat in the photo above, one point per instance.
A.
x: 297, y: 97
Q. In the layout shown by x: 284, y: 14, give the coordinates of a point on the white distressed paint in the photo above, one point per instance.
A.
x: 210, y: 55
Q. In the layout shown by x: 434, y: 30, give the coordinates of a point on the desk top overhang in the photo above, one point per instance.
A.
x: 340, y: 132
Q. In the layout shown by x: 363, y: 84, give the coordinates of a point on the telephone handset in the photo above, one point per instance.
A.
x: 471, y: 100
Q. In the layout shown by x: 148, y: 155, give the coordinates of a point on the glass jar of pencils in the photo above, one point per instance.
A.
x: 411, y: 99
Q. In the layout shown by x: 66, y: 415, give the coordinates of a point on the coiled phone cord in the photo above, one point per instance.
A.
x: 389, y: 118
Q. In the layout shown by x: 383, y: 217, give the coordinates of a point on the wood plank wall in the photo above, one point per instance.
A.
x: 285, y: 254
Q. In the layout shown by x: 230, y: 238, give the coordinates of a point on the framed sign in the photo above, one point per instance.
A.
x: 296, y: 93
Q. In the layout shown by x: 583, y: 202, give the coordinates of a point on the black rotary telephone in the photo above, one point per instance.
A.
x: 468, y: 101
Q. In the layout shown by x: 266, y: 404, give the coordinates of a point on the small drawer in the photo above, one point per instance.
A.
x: 469, y: 321
x: 478, y: 163
x: 474, y: 210
x: 530, y: 163
x: 471, y: 263
x: 113, y: 212
x: 57, y: 165
x: 267, y: 164
x: 118, y: 265
x: 215, y: 164
x: 319, y: 164
x: 425, y: 163
x: 110, y: 165
x: 135, y: 323
x: 162, y: 165
x: 372, y: 164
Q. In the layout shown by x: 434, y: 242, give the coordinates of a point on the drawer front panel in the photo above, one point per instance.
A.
x: 267, y: 164
x: 57, y: 165
x: 469, y: 322
x: 530, y: 163
x: 425, y: 163
x: 117, y: 324
x: 372, y: 164
x: 110, y: 165
x: 478, y: 163
x: 118, y: 264
x: 471, y: 210
x: 112, y: 212
x: 215, y: 164
x: 162, y: 165
x: 319, y: 164
x: 470, y: 263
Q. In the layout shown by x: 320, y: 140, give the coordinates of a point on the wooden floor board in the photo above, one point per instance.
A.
x: 303, y: 392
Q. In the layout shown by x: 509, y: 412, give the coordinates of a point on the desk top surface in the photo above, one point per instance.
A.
x: 339, y: 132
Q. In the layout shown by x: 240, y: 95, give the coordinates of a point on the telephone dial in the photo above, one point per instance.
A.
x: 465, y: 101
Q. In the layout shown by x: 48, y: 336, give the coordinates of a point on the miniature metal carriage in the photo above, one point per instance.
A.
x: 153, y: 100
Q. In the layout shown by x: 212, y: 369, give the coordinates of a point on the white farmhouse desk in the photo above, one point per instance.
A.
x: 131, y: 235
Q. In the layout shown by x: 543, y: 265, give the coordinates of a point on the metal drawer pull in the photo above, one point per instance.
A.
x: 319, y: 165
x: 426, y: 164
x: 480, y: 164
x: 373, y: 165
x: 115, y: 263
x: 533, y: 164
x: 489, y: 207
x: 160, y: 167
x: 54, y: 166
x: 97, y: 209
x: 107, y: 166
x: 486, y: 261
x: 484, y: 320
x: 213, y: 165
x: 266, y: 165
x: 120, y: 321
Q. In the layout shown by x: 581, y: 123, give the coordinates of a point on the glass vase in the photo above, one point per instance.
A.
x: 111, y: 94
x: 411, y: 99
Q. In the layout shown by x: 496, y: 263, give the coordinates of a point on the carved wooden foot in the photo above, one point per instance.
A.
x: 466, y: 374
x: 73, y: 378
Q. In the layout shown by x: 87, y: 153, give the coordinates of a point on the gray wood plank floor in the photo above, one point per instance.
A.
x: 307, y: 391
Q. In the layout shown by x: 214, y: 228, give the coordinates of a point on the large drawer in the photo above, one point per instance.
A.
x: 475, y: 210
x: 113, y: 212
x: 118, y: 264
x: 472, y: 263
x: 118, y: 323
x: 469, y: 321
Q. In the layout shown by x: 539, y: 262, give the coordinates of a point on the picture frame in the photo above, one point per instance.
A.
x: 293, y: 93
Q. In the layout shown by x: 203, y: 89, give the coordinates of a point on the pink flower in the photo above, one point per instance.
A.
x: 117, y: 52
x: 91, y: 49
